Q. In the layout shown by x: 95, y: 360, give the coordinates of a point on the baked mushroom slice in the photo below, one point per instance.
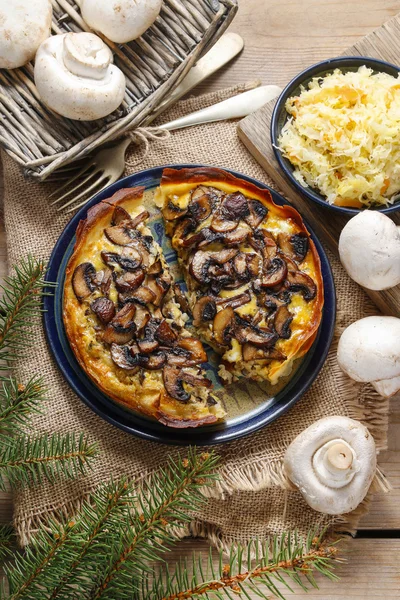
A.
x: 254, y: 264
x: 119, y: 215
x: 122, y: 328
x: 174, y: 379
x: 104, y: 309
x: 156, y: 268
x: 103, y: 280
x: 274, y: 302
x: 171, y: 211
x: 129, y: 281
x: 275, y: 273
x: 83, y: 280
x: 204, y: 310
x: 251, y: 352
x: 235, y: 205
x: 148, y: 343
x: 130, y: 260
x: 119, y: 234
x: 199, y: 265
x: 142, y: 295
x: 140, y: 218
x: 141, y: 318
x: 235, y: 301
x: 200, y: 239
x: 222, y: 224
x: 201, y: 204
x: 224, y: 326
x: 123, y: 358
x: 282, y: 321
x: 186, y: 352
x: 257, y: 213
x: 301, y: 282
x: 155, y: 285
x: 182, y: 299
x: 237, y: 236
x: 240, y: 266
x: 260, y: 337
x: 154, y: 361
x: 165, y: 334
x: 295, y: 246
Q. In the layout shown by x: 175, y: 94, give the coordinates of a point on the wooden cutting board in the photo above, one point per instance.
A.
x: 254, y: 131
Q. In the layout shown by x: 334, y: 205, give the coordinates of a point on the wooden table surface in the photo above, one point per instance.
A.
x: 281, y: 38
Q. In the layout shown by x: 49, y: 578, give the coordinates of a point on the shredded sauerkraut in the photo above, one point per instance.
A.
x: 343, y: 137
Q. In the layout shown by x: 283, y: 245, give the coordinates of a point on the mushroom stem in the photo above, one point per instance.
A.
x: 340, y: 456
x: 335, y: 463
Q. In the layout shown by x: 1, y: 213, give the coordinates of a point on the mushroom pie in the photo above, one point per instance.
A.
x: 252, y: 271
x: 123, y: 323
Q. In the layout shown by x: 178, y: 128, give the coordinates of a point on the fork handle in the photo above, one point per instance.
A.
x: 240, y: 105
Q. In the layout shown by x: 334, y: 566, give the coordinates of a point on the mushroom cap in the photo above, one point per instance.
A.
x: 75, y: 76
x: 121, y: 21
x: 369, y: 349
x: 369, y: 248
x: 342, y: 490
x: 24, y: 25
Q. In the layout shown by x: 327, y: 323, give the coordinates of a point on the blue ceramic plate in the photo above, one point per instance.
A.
x: 280, y: 116
x: 245, y: 415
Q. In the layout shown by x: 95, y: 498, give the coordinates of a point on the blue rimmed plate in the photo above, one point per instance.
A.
x: 250, y: 406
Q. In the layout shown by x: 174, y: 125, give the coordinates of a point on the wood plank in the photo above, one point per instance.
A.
x: 254, y: 131
x: 371, y: 571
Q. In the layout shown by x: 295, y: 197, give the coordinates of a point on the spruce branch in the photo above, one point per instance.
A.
x: 29, y: 460
x: 283, y: 560
x: 20, y: 307
x: 18, y: 402
x: 7, y: 541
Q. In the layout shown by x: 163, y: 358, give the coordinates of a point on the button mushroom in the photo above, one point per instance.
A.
x: 24, y: 25
x: 332, y: 463
x: 369, y: 248
x: 83, y: 280
x: 122, y: 22
x: 75, y: 76
x: 369, y: 351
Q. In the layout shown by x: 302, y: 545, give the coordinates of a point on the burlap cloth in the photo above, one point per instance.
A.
x: 252, y: 498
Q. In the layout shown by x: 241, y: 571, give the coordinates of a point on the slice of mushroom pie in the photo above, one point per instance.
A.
x: 253, y: 273
x: 123, y: 323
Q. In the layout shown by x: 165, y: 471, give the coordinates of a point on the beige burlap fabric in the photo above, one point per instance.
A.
x: 252, y: 498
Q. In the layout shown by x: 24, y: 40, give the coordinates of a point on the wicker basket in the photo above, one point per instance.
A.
x: 41, y: 141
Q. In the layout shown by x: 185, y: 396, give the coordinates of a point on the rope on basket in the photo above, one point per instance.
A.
x: 145, y: 135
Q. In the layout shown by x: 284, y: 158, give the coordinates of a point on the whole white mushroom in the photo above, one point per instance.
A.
x: 75, y: 76
x: 369, y: 248
x: 121, y: 21
x: 369, y: 351
x: 332, y: 463
x: 24, y: 25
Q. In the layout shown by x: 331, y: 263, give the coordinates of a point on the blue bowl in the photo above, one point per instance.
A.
x: 280, y: 116
x: 135, y: 423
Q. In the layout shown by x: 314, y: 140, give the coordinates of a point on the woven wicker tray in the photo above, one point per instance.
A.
x: 41, y: 141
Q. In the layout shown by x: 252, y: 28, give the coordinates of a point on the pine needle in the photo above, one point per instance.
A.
x: 20, y: 308
x: 30, y: 460
x: 18, y: 402
x: 7, y: 541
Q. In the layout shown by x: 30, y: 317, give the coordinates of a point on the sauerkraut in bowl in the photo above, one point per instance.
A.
x: 342, y: 137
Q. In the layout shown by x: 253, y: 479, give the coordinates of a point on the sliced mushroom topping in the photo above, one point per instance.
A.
x: 257, y: 213
x: 123, y: 358
x: 194, y: 348
x: 83, y: 280
x: 254, y: 264
x: 238, y: 236
x: 200, y: 239
x: 174, y: 384
x: 199, y: 266
x: 251, y: 352
x: 181, y: 299
x: 165, y: 334
x: 260, y: 337
x: 201, y: 204
x: 240, y: 266
x: 301, y: 282
x: 119, y: 234
x: 103, y: 280
x: 129, y: 281
x: 274, y: 302
x: 148, y: 343
x: 153, y: 362
x: 223, y: 326
x: 222, y: 224
x: 204, y: 310
x: 119, y: 215
x: 122, y: 328
x: 223, y: 256
x: 195, y: 380
x: 130, y: 260
x: 172, y: 211
x: 156, y: 268
x: 235, y: 301
x: 182, y: 230
x: 236, y: 206
x: 158, y: 290
x: 141, y: 318
x: 143, y: 295
x: 275, y: 273
x: 104, y: 309
x: 295, y: 246
x: 282, y: 321
x: 139, y: 218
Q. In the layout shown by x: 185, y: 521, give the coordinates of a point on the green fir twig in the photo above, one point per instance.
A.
x: 18, y: 402
x: 7, y: 541
x: 280, y: 563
